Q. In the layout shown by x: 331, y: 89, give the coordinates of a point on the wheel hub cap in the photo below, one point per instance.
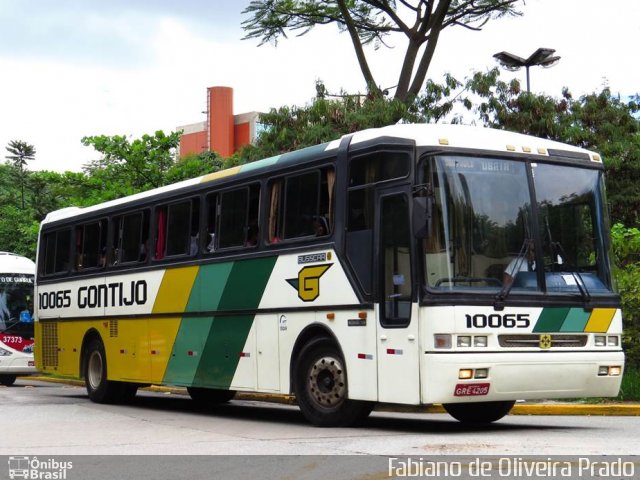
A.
x: 327, y: 383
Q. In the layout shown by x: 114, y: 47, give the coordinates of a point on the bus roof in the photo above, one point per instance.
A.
x: 424, y: 135
x: 12, y: 263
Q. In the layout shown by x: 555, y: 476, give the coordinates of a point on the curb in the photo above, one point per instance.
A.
x: 613, y: 409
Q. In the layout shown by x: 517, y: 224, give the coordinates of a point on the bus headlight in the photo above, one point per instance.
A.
x: 5, y: 353
x: 613, y: 341
x: 611, y: 371
x: 464, y: 341
x: 600, y: 340
x: 480, y: 341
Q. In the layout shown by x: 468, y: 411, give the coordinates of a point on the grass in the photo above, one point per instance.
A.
x: 630, y: 389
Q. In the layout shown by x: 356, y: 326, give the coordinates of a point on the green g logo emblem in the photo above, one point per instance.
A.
x: 308, y: 282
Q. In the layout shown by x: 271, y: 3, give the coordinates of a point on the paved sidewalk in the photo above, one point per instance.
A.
x: 524, y: 408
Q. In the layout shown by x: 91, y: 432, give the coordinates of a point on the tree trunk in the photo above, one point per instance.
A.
x: 357, y: 45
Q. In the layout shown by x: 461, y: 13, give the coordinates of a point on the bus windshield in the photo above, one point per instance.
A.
x: 486, y: 235
x: 16, y: 311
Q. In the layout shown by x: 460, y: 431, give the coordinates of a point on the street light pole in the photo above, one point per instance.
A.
x: 542, y: 57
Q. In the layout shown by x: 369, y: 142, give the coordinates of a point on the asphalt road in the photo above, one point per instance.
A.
x: 58, y: 419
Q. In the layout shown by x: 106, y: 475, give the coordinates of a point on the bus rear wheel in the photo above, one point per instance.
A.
x: 321, y: 387
x: 99, y: 389
x: 478, y: 413
x: 210, y: 396
x: 7, y: 380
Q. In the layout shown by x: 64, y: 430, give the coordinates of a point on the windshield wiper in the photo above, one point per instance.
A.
x: 586, y: 296
x: 582, y: 286
x: 504, y: 292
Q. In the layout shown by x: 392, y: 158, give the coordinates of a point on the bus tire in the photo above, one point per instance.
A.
x: 210, y: 396
x: 99, y: 389
x: 478, y: 413
x: 321, y: 387
x: 7, y: 380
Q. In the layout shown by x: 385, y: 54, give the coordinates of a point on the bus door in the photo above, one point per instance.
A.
x: 397, y: 314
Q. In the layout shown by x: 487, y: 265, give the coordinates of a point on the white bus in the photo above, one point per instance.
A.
x: 16, y: 317
x: 411, y: 264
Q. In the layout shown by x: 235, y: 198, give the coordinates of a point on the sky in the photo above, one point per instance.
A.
x: 70, y: 68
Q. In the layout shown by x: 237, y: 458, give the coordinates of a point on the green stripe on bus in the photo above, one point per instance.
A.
x: 551, y: 319
x: 576, y: 320
x: 228, y: 334
x: 187, y: 350
x: 189, y: 344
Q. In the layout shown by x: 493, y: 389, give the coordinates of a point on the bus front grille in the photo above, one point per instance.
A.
x: 50, y: 344
x: 533, y: 340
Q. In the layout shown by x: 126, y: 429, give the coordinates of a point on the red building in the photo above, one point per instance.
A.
x: 222, y: 132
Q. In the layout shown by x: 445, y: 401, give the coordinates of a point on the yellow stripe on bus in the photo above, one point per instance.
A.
x: 600, y: 320
x: 221, y: 174
x: 175, y: 290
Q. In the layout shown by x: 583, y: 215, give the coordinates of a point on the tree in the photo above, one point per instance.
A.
x: 129, y: 167
x: 371, y: 21
x: 292, y: 127
x: 195, y: 165
x: 21, y: 152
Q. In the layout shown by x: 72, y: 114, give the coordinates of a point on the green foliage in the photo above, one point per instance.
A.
x: 127, y: 167
x: 625, y: 244
x: 21, y: 152
x: 630, y: 388
x: 18, y: 233
x: 193, y: 166
x: 137, y: 165
x: 291, y: 128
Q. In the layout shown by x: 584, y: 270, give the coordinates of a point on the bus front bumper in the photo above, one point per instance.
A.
x: 17, y: 366
x: 519, y: 376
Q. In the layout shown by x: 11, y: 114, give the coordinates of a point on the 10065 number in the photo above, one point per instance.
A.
x: 496, y: 320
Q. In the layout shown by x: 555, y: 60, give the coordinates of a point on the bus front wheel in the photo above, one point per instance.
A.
x: 321, y: 387
x: 478, y: 413
x: 7, y: 380
x: 99, y: 389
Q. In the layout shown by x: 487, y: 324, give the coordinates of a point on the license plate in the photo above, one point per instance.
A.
x: 471, y: 389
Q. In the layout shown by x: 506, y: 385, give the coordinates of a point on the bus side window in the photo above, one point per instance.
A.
x: 360, y: 235
x: 301, y: 205
x: 57, y: 252
x: 131, y: 238
x: 177, y: 229
x: 238, y: 217
x: 90, y: 245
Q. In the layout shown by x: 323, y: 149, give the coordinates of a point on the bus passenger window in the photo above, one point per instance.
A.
x: 177, y: 229
x: 238, y: 217
x: 57, y: 247
x: 131, y: 238
x: 91, y: 242
x: 301, y: 205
